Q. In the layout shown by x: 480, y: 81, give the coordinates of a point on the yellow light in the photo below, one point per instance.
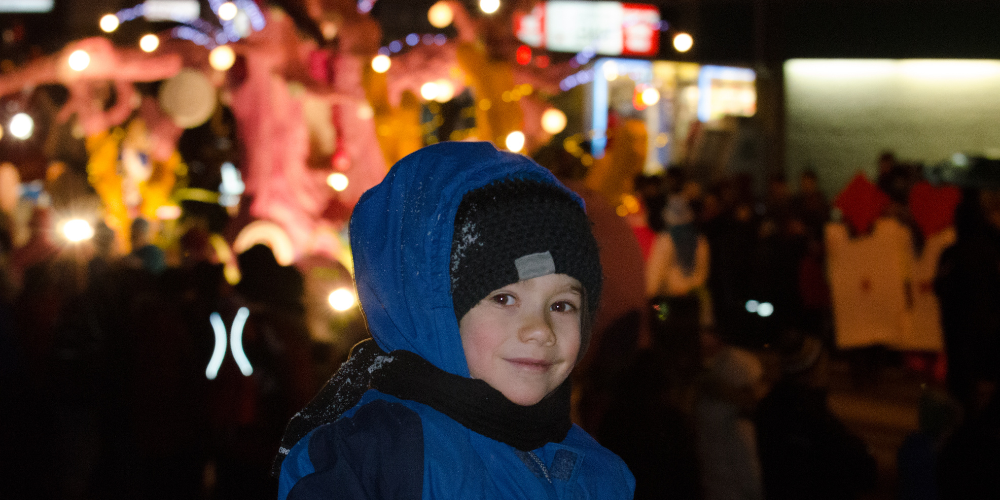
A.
x: 515, y: 141
x: 21, y: 126
x: 77, y: 230
x: 610, y: 71
x: 149, y: 43
x: 222, y: 57
x: 381, y: 63
x: 489, y: 6
x: 485, y: 104
x: 342, y: 299
x: 553, y: 121
x: 446, y: 91
x: 337, y: 181
x: 227, y: 11
x: 168, y: 212
x: 79, y: 60
x: 429, y: 91
x: 440, y: 15
x: 683, y: 42
x: 109, y: 23
x: 650, y: 96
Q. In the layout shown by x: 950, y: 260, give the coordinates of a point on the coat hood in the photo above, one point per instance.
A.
x: 401, y: 234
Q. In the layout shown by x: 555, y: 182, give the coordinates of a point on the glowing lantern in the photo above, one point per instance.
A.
x: 489, y: 6
x: 650, y: 96
x: 222, y: 57
x: 337, y: 181
x: 149, y: 43
x: 342, y: 299
x: 515, y: 141
x: 381, y: 63
x: 109, y: 23
x: 440, y: 15
x: 21, y: 126
x: 77, y: 230
x: 553, y: 121
x: 683, y: 42
x: 227, y: 11
x: 429, y: 91
x: 79, y: 60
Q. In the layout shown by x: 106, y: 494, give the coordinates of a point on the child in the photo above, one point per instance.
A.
x: 478, y: 276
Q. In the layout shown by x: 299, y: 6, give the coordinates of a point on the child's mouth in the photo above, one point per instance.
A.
x: 530, y: 364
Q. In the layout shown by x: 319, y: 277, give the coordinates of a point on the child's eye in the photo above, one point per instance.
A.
x: 503, y: 299
x: 563, y: 306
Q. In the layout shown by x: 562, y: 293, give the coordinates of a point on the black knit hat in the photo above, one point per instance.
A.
x: 513, y: 230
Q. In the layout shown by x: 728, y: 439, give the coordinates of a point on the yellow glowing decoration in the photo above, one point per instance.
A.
x: 440, y: 15
x: 515, y: 141
x: 77, y: 230
x: 489, y: 6
x: 222, y: 57
x: 381, y: 63
x: 21, y: 126
x: 337, y: 181
x: 149, y: 43
x: 79, y: 60
x: 227, y: 11
x: 650, y: 96
x: 445, y: 91
x: 429, y: 91
x: 683, y: 42
x: 342, y: 299
x: 267, y: 233
x: 553, y: 121
x: 109, y: 23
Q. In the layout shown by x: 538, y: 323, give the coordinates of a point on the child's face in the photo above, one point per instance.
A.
x: 523, y: 339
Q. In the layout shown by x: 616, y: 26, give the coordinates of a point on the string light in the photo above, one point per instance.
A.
x: 109, y: 23
x: 553, y: 121
x: 683, y: 42
x: 21, y: 126
x: 381, y: 63
x: 489, y: 6
x: 79, y: 60
x: 515, y: 141
x: 440, y: 15
x: 337, y: 181
x: 77, y: 230
x: 342, y: 299
x: 227, y: 11
x: 222, y: 57
x: 149, y: 43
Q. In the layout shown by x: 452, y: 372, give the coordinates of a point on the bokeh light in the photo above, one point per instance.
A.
x: 515, y: 141
x: 381, y: 63
x: 650, y: 96
x: 21, y: 126
x: 109, y: 23
x: 337, y: 181
x: 489, y: 6
x: 342, y: 299
x: 227, y: 11
x: 149, y: 43
x: 683, y: 42
x: 553, y: 121
x: 440, y: 15
x: 77, y: 230
x: 222, y: 57
x: 79, y: 60
x: 429, y: 91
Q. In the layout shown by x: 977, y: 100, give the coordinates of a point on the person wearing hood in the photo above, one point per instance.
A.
x: 478, y: 276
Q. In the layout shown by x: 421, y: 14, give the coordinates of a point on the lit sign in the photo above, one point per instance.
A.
x: 180, y: 11
x: 726, y: 91
x: 235, y: 342
x: 610, y: 28
x: 26, y: 5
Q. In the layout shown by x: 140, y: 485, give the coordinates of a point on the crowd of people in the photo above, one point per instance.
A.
x: 109, y: 392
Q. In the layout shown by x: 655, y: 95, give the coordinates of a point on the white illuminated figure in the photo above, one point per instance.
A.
x: 235, y: 343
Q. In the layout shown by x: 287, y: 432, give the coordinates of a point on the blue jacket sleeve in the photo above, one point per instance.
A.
x: 377, y: 453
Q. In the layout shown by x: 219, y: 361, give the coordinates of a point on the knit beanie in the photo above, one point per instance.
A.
x: 514, y: 230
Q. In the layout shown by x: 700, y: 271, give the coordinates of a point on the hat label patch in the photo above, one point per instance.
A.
x: 534, y: 265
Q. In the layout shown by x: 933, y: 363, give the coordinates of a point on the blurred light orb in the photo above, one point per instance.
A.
x: 149, y: 43
x: 766, y: 309
x: 381, y: 63
x: 222, y: 57
x: 515, y: 141
x: 489, y: 6
x: 109, y: 23
x: 168, y: 212
x: 683, y: 42
x: 553, y: 121
x: 610, y: 71
x: 445, y: 90
x: 752, y: 306
x: 650, y: 96
x: 77, y: 230
x: 440, y: 15
x: 429, y: 91
x: 337, y: 181
x: 79, y: 60
x: 342, y: 299
x: 21, y: 126
x: 227, y: 11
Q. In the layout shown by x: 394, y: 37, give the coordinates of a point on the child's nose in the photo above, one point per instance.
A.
x: 538, y: 328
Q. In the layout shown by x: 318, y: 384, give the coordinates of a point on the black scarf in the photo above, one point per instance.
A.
x: 405, y: 375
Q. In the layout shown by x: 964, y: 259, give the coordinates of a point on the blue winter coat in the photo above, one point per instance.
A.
x: 384, y: 447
